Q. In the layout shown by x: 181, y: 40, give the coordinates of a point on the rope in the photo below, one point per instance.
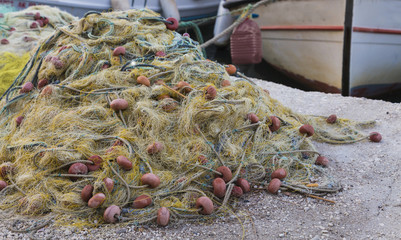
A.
x: 32, y: 228
x: 236, y: 23
x: 197, y: 31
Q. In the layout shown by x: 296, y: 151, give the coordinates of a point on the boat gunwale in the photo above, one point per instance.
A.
x: 328, y: 28
x: 303, y: 27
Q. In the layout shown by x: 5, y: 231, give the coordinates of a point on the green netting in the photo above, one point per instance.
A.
x: 71, y: 120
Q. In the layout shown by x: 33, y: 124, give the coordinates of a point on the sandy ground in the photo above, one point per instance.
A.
x: 369, y: 207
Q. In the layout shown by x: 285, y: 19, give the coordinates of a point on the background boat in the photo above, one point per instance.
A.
x: 188, y: 9
x: 351, y: 47
x: 375, y: 55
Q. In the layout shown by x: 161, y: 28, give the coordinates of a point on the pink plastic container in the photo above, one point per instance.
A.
x: 246, y: 43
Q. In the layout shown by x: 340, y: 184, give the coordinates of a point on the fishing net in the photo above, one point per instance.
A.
x: 10, y: 66
x: 19, y: 36
x: 122, y: 95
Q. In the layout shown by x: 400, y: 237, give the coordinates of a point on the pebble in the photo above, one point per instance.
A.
x: 317, y: 237
x: 121, y: 231
x: 67, y: 232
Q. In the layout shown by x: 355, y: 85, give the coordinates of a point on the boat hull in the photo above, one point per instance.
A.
x: 315, y: 57
x: 306, y: 44
x: 375, y: 61
x: 309, y: 45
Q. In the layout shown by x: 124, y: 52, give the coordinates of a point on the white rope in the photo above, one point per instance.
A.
x: 236, y: 23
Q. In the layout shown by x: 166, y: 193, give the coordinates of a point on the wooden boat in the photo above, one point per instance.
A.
x: 351, y: 47
x: 188, y: 9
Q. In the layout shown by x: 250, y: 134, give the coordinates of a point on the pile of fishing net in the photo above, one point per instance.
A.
x: 117, y: 117
x: 21, y: 32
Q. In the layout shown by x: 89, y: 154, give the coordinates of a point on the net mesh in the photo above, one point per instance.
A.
x: 10, y: 66
x: 70, y: 120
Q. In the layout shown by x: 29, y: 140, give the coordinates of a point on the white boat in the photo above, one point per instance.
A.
x: 351, y: 47
x: 188, y: 9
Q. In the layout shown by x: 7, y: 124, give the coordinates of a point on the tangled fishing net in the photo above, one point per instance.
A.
x: 118, y: 118
x: 21, y: 31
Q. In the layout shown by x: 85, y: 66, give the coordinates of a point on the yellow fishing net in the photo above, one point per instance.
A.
x: 10, y: 66
x: 181, y: 133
